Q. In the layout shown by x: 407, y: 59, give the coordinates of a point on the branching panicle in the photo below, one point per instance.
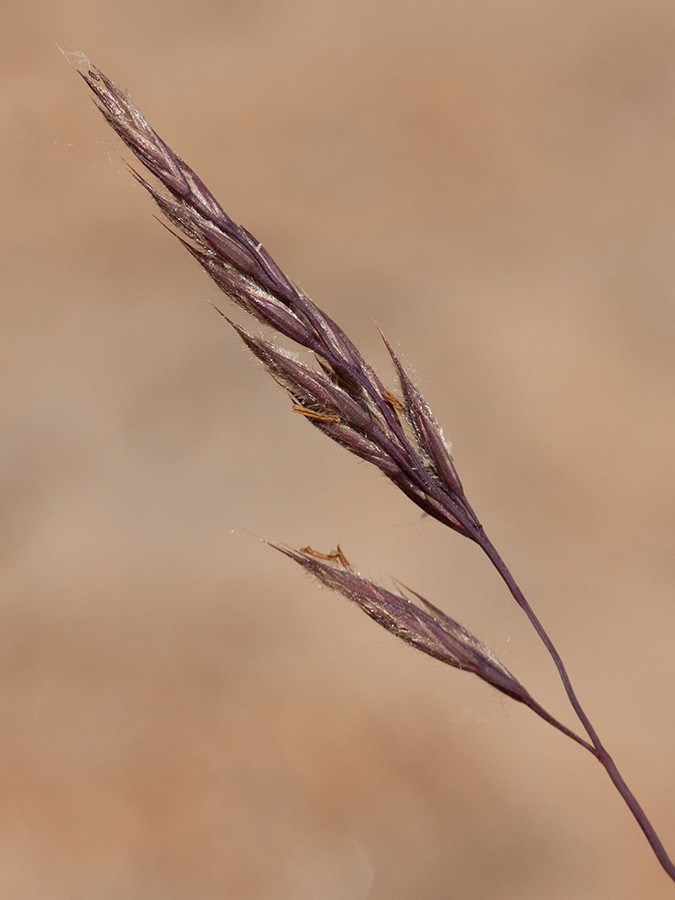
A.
x: 345, y: 399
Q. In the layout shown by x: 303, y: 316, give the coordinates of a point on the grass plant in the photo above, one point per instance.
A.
x: 340, y: 394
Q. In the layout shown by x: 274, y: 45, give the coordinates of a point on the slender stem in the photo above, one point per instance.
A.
x: 597, y: 749
x: 547, y: 717
x: 491, y: 552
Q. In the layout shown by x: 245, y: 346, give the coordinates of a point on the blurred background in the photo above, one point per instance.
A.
x: 182, y: 713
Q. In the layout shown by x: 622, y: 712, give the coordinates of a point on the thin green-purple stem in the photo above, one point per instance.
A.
x: 596, y: 748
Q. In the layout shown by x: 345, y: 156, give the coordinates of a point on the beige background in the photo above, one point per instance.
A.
x: 182, y: 713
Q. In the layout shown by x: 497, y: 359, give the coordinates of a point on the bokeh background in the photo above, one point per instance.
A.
x: 182, y: 713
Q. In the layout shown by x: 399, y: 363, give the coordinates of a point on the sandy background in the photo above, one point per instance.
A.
x: 182, y: 713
